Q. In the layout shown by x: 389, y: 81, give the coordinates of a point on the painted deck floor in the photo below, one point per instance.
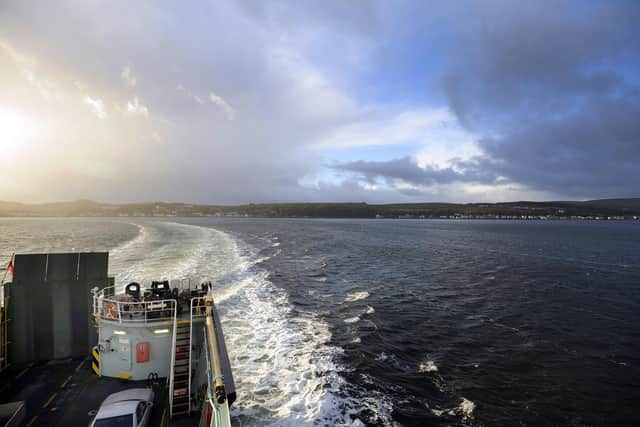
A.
x: 67, y: 393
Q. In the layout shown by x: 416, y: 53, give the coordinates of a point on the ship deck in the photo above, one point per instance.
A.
x: 67, y: 393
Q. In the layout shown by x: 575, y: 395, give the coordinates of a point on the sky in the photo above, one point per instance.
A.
x: 245, y: 101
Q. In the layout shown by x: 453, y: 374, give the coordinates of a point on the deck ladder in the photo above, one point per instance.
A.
x: 180, y: 382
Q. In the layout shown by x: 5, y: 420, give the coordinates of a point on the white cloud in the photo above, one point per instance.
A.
x: 220, y: 102
x: 97, y: 107
x: 413, y: 126
x: 128, y: 77
x: 433, y: 135
x: 306, y: 92
x: 24, y: 62
x: 80, y: 85
x: 183, y: 90
x: 28, y: 66
x: 316, y: 113
x: 135, y: 107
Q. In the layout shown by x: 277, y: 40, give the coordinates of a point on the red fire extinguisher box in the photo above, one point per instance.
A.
x: 142, y: 352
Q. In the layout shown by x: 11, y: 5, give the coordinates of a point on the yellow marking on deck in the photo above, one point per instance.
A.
x: 24, y: 371
x: 65, y: 382
x: 124, y: 376
x: 54, y: 409
x: 164, y: 414
x: 33, y: 420
x: 21, y: 373
x: 48, y: 402
x: 79, y: 366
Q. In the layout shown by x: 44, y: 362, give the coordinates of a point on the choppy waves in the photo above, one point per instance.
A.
x: 428, y: 366
x: 464, y: 409
x: 357, y: 296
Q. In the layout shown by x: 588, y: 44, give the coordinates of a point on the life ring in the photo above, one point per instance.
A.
x: 110, y: 312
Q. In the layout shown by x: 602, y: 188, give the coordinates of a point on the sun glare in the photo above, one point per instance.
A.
x: 14, y: 128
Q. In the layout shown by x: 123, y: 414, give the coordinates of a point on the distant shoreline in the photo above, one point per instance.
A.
x: 541, y: 219
x: 595, y: 210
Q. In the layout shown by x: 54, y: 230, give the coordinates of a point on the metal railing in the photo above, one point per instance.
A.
x: 173, y: 363
x: 107, y: 307
x: 196, y: 309
x: 217, y: 404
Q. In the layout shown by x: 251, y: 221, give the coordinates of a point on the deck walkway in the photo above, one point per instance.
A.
x: 67, y: 393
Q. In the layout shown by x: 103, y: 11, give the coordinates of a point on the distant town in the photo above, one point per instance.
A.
x: 604, y: 209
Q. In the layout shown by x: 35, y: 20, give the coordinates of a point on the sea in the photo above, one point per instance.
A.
x: 398, y: 322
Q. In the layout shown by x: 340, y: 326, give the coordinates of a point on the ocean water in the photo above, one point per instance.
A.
x: 398, y: 322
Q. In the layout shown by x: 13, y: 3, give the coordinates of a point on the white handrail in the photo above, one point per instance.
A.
x: 190, y: 347
x: 117, y: 311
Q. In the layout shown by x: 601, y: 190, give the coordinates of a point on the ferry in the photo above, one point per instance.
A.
x: 76, y: 348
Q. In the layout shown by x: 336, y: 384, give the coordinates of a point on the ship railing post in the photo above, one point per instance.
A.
x: 190, y: 349
x: 173, y: 359
x: 95, y: 304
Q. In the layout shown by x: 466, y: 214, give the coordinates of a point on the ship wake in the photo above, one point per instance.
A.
x: 285, y: 367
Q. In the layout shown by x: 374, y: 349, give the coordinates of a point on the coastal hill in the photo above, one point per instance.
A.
x: 591, y: 209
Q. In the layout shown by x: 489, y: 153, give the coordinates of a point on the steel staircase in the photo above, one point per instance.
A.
x: 180, y: 382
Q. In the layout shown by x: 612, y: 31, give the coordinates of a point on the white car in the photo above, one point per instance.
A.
x: 129, y: 408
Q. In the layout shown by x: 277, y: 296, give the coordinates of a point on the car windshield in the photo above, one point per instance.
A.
x: 119, y: 421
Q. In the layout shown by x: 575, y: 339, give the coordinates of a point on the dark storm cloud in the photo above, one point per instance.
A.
x: 595, y: 152
x: 553, y: 87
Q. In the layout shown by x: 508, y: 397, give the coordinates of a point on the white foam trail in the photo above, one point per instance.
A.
x: 356, y: 296
x: 135, y: 240
x: 261, y: 260
x: 389, y: 359
x: 464, y: 409
x: 167, y: 250
x: 289, y: 376
x: 428, y: 366
x: 352, y: 320
x: 382, y: 357
x: 284, y: 365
